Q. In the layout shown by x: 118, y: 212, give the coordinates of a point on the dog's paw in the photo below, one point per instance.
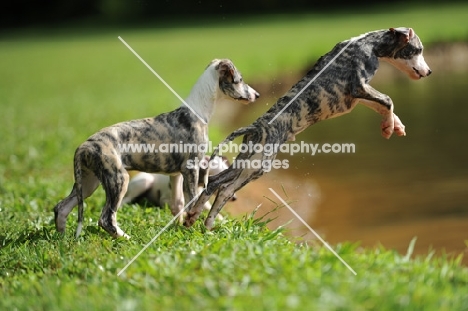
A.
x: 398, y: 127
x: 387, y: 128
x: 124, y: 236
x: 391, y: 125
x: 180, y: 219
x: 209, y: 222
x: 121, y: 234
x: 190, y: 219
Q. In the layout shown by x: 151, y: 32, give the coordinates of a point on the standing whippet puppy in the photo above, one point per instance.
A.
x: 340, y: 81
x: 102, y: 158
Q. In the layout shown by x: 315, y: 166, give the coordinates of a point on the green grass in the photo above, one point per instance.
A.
x: 58, y: 87
x: 239, y: 266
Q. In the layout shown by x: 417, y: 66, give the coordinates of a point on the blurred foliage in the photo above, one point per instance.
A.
x: 46, y: 12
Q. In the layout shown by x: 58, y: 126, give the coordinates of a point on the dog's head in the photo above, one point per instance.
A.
x: 231, y: 84
x: 402, y: 48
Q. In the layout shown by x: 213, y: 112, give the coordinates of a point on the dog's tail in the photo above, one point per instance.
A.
x: 232, y: 136
x: 79, y: 191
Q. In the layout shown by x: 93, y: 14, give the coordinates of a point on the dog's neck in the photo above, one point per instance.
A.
x: 202, y: 97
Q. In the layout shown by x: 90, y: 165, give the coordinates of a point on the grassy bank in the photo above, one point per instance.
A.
x: 239, y: 266
x: 59, y: 86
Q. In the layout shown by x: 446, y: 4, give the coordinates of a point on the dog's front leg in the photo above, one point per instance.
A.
x: 383, y: 105
x: 177, y: 200
x: 190, y: 187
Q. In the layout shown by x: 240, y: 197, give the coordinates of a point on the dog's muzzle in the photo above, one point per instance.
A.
x: 421, y: 75
x: 249, y: 97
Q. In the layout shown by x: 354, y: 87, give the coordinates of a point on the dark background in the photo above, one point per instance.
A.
x: 22, y: 13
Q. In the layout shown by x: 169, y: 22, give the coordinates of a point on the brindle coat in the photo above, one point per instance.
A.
x: 101, y: 159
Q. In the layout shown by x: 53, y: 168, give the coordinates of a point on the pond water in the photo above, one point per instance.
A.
x: 388, y: 191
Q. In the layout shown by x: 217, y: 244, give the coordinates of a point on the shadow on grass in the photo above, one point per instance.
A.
x: 44, y: 233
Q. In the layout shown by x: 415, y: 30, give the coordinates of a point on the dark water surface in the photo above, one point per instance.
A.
x: 388, y: 191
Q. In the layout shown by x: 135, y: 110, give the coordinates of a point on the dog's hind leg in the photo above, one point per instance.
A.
x: 213, y: 184
x: 227, y: 183
x: 115, y: 185
x: 207, y: 207
x: 235, y: 174
x: 227, y: 191
x: 197, y: 208
x: 63, y: 208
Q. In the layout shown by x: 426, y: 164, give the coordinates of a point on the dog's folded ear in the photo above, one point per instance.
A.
x: 226, y: 69
x: 403, y: 33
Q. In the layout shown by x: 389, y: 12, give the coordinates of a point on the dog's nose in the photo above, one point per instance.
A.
x: 257, y: 95
x: 429, y: 72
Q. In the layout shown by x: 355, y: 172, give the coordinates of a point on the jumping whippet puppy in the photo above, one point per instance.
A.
x: 340, y: 82
x: 101, y: 159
